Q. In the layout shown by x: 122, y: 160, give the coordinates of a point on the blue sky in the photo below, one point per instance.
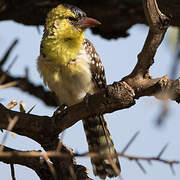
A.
x: 119, y: 57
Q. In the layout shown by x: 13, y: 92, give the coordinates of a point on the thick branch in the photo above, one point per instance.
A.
x: 158, y: 25
x: 44, y: 131
x: 112, y: 14
x: 117, y: 96
x: 25, y: 85
x: 140, y: 79
x: 27, y: 125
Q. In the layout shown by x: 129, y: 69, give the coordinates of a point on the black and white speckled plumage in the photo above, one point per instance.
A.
x: 97, y: 68
x: 97, y: 133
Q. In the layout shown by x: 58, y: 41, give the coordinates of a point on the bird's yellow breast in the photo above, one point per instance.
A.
x: 61, y: 51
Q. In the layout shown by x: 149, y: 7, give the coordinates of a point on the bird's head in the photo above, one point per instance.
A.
x: 68, y: 21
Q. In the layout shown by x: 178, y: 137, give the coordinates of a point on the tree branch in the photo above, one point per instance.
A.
x: 42, y: 129
x: 112, y: 27
x: 25, y: 85
x: 158, y: 24
x: 139, y: 79
x: 35, y: 163
x: 16, y: 157
x: 115, y: 97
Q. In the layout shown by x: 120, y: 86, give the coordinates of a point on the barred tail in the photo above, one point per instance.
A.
x: 100, y: 141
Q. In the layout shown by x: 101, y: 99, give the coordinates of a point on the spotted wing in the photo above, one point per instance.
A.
x: 97, y: 68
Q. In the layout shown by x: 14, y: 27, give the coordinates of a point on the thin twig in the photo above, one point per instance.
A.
x: 11, y: 124
x: 94, y: 155
x: 141, y: 166
x: 12, y: 172
x: 8, y: 52
x: 172, y: 169
x: 130, y: 142
x: 162, y: 151
x: 4, y: 74
x: 31, y: 109
x: 160, y: 119
x: 10, y: 84
x: 19, y: 154
x: 12, y: 63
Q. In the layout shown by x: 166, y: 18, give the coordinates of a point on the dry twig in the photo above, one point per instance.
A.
x: 12, y: 172
x: 61, y: 155
x: 10, y: 126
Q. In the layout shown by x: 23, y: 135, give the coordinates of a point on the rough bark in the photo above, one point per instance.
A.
x: 117, y: 16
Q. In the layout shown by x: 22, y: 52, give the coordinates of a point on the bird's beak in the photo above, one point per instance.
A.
x: 87, y: 22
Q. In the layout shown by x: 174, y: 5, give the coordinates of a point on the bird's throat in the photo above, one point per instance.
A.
x: 61, y: 50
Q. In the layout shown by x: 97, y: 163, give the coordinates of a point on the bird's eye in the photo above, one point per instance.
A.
x: 73, y: 19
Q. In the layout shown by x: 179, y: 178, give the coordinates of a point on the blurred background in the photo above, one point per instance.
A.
x: 119, y: 57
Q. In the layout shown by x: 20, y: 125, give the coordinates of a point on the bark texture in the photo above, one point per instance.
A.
x: 117, y: 16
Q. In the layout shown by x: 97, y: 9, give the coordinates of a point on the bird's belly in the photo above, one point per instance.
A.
x: 72, y: 89
x: 69, y: 86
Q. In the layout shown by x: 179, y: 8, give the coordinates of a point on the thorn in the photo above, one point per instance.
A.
x: 141, y: 167
x: 22, y: 107
x: 31, y: 109
x: 12, y: 63
x: 130, y: 142
x: 172, y: 169
x: 27, y: 73
x: 4, y: 74
x: 12, y: 172
x: 162, y: 151
x: 164, y: 111
x: 8, y: 52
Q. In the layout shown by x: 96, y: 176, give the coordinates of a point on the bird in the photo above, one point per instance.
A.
x: 72, y: 69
